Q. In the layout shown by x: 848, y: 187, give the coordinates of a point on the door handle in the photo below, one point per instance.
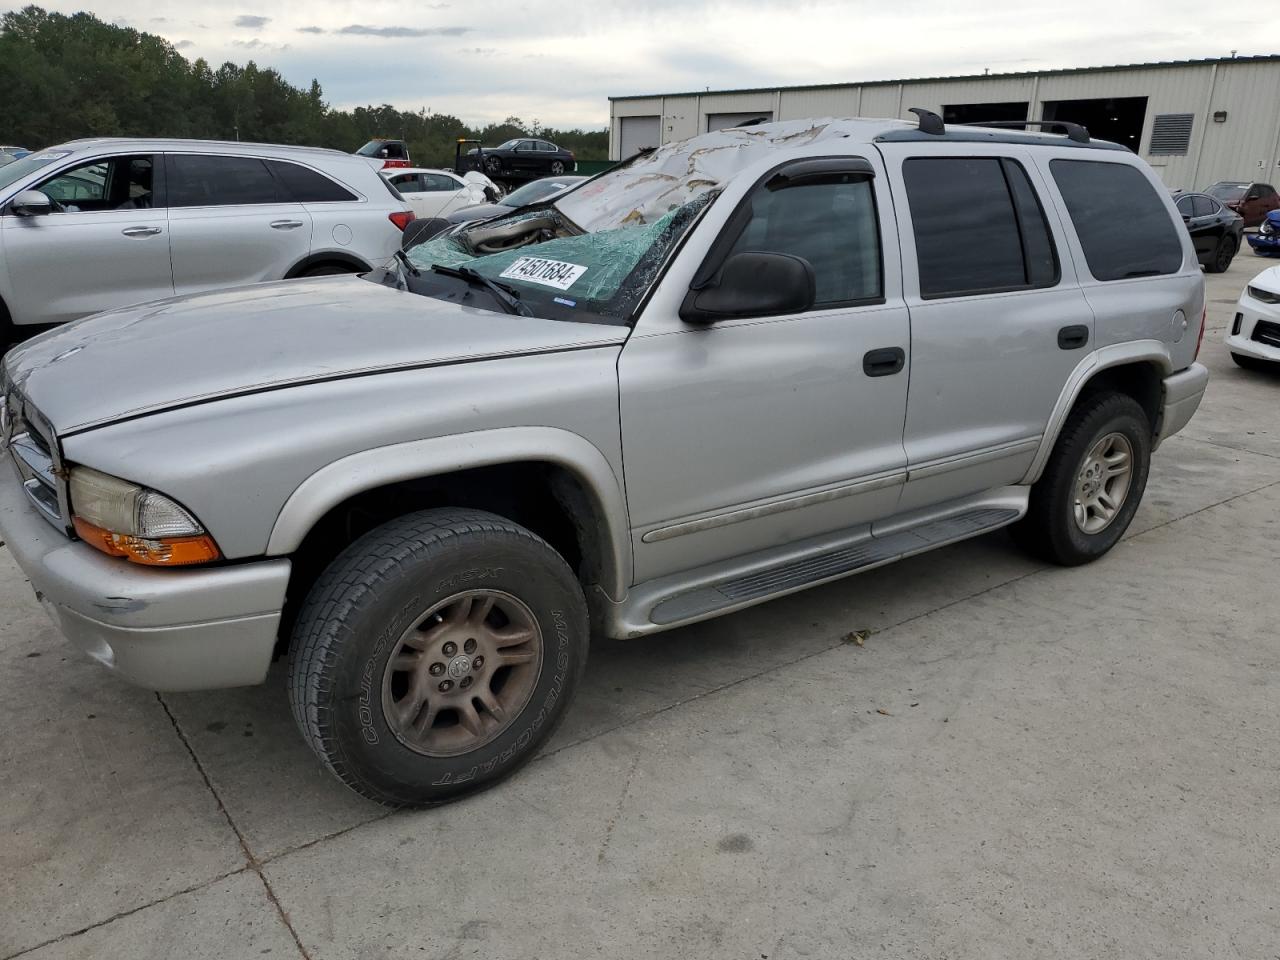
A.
x: 285, y: 224
x: 884, y: 362
x: 1073, y: 337
x: 140, y: 231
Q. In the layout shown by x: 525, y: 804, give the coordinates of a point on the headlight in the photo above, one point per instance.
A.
x: 123, y: 519
x: 1266, y: 227
x: 1266, y: 296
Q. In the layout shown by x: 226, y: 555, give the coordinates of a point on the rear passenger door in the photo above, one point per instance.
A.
x: 998, y: 321
x: 231, y: 222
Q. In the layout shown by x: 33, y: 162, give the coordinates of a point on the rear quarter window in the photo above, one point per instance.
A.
x: 306, y: 185
x: 1123, y: 225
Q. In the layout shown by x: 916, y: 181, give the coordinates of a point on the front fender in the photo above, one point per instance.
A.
x: 368, y: 469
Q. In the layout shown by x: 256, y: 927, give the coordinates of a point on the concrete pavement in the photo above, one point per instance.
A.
x: 1020, y: 761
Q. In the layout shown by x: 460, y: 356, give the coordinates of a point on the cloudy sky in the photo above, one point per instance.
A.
x: 485, y: 60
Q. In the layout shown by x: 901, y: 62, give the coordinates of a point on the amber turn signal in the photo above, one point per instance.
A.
x: 160, y: 552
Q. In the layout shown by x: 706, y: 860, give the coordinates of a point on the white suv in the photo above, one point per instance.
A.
x: 96, y: 224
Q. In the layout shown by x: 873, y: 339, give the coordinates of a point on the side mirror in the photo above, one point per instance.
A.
x: 31, y: 203
x: 752, y: 284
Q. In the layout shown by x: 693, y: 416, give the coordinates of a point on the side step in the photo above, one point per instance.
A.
x: 811, y: 570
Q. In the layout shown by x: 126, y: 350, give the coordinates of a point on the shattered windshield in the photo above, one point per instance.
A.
x: 591, y: 253
x: 596, y: 277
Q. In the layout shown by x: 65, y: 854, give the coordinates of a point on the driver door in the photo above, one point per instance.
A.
x: 752, y: 433
x: 105, y: 246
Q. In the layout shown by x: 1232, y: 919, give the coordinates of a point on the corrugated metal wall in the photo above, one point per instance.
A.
x: 1245, y: 146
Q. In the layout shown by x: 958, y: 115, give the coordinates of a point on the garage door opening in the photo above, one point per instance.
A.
x: 719, y: 121
x: 637, y: 133
x: 984, y: 112
x: 1118, y: 119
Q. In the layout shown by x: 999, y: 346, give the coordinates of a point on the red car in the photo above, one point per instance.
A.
x: 1253, y: 201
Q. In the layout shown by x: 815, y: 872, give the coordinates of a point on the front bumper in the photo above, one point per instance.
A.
x: 1268, y: 243
x: 1183, y: 392
x: 1246, y: 337
x: 183, y: 629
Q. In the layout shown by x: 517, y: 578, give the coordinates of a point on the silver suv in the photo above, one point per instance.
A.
x: 741, y: 365
x: 97, y: 224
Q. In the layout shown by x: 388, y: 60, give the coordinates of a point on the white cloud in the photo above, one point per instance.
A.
x: 562, y: 68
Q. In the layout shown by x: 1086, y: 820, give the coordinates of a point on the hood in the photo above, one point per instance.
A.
x: 1268, y: 280
x: 155, y: 356
x: 479, y: 211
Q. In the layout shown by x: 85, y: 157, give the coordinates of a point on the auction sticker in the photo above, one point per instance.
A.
x: 548, y: 273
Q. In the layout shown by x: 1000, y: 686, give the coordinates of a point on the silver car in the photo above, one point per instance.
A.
x: 741, y: 365
x: 97, y: 224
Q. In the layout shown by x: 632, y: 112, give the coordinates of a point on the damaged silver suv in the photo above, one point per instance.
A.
x: 677, y: 390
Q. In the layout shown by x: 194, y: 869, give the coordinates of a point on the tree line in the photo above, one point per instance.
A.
x: 63, y: 77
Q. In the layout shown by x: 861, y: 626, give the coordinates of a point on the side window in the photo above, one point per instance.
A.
x: 546, y: 147
x: 1202, y: 207
x: 831, y: 225
x: 394, y: 151
x: 206, y: 180
x: 1122, y: 224
x: 978, y: 226
x: 1186, y: 206
x: 1266, y: 191
x: 119, y: 183
x: 439, y: 183
x: 524, y: 145
x: 306, y: 185
x: 407, y: 182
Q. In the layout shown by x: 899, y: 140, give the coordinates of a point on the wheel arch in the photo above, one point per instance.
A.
x: 325, y: 258
x: 1137, y: 368
x: 529, y: 462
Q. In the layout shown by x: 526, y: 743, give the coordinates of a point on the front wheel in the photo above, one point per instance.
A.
x: 1092, y: 484
x: 436, y: 654
x: 1222, y: 256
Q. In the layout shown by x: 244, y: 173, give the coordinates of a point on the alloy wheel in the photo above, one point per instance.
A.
x: 1102, y: 485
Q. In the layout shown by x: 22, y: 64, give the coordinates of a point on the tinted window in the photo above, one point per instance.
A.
x: 546, y: 147
x: 439, y: 183
x: 1122, y: 224
x: 1265, y: 191
x: 306, y: 185
x: 1185, y: 206
x: 408, y: 182
x: 199, y: 180
x: 118, y: 183
x: 978, y: 226
x: 1203, y: 206
x: 832, y: 225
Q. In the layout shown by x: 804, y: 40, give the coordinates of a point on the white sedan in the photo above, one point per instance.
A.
x: 1254, y: 336
x: 435, y: 193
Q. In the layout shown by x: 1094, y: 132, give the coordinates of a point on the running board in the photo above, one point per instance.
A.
x: 686, y: 598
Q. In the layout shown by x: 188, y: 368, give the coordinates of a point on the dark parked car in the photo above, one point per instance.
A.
x: 525, y: 158
x: 1215, y: 230
x: 530, y: 193
x: 1253, y: 201
x: 1266, y: 242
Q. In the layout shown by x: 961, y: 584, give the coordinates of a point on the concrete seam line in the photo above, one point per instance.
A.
x: 252, y: 862
x: 1196, y: 513
x: 124, y: 913
x: 1225, y: 446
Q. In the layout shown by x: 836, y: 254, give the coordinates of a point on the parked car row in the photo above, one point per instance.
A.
x: 148, y: 219
x: 672, y: 393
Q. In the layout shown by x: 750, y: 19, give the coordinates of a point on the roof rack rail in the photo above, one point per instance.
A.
x: 1074, y: 131
x: 930, y: 122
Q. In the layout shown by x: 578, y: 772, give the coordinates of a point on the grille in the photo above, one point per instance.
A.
x: 30, y: 443
x: 1267, y: 332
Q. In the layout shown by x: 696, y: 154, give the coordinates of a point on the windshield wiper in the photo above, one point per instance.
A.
x: 507, y: 298
x: 407, y: 263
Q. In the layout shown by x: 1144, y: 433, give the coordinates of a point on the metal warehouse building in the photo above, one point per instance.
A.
x: 1195, y: 121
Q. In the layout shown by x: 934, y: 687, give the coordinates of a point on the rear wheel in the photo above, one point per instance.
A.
x: 326, y: 270
x: 557, y: 167
x: 1092, y: 484
x: 492, y: 166
x: 436, y: 654
x: 1222, y: 256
